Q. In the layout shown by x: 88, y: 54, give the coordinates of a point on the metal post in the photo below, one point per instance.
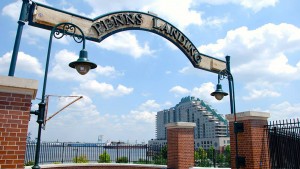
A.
x: 214, y: 158
x: 41, y: 111
x: 63, y: 153
x: 232, y: 107
x: 22, y: 19
x: 76, y: 156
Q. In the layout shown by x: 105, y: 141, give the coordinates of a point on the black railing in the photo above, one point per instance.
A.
x: 284, y: 144
x: 56, y: 152
x: 91, y: 152
x: 212, y: 158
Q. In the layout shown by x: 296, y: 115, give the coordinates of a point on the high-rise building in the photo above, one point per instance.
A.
x: 211, y: 128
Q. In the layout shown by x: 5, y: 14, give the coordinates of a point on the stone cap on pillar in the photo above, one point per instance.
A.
x: 248, y: 115
x: 9, y: 84
x: 180, y: 125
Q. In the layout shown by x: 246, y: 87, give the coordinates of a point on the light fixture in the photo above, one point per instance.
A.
x: 83, y: 65
x: 219, y: 93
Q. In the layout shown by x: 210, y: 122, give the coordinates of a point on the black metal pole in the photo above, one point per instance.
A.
x: 41, y: 111
x: 22, y: 19
x: 232, y: 107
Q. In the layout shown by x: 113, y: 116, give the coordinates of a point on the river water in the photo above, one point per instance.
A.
x: 66, y: 152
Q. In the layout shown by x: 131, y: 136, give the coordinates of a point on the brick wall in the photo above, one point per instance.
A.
x: 14, y: 117
x: 251, y: 143
x: 15, y: 102
x: 180, y: 138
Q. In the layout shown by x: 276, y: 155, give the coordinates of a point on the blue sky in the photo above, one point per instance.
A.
x: 140, y: 73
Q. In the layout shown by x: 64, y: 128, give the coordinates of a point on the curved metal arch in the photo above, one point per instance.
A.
x: 109, y: 24
x: 158, y: 26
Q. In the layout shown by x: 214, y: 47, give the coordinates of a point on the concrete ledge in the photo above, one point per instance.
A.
x: 9, y: 84
x: 180, y: 125
x: 100, y: 165
x: 248, y: 115
x: 206, y: 168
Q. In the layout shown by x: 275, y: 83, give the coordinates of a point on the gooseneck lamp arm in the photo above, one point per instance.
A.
x: 219, y: 93
x: 58, y: 32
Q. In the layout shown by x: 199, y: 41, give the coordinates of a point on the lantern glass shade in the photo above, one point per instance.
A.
x: 83, y: 65
x: 83, y: 68
x: 219, y: 93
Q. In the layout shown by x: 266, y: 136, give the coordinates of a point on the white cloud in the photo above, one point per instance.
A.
x: 149, y: 105
x: 144, y: 116
x: 261, y: 89
x: 203, y: 92
x: 259, y: 54
x: 190, y: 70
x: 284, y: 111
x: 185, y: 69
x: 126, y: 43
x: 11, y: 9
x: 258, y: 94
x: 105, y: 89
x: 25, y: 63
x: 102, y: 7
x: 255, y: 5
x: 215, y: 21
x: 109, y: 71
x: 61, y: 70
x: 34, y: 35
x: 179, y: 91
x: 137, y: 122
x: 178, y: 12
x: 280, y: 65
x: 72, y: 9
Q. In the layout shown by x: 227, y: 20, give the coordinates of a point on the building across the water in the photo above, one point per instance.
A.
x: 211, y: 128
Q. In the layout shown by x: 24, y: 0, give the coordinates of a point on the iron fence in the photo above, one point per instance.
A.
x: 57, y: 152
x: 284, y: 144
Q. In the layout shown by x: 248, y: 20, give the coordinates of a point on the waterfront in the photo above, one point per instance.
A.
x: 66, y: 152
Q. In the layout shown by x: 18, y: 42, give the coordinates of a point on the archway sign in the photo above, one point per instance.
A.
x: 101, y: 27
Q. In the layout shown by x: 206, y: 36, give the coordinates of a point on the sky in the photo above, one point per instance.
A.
x: 140, y: 73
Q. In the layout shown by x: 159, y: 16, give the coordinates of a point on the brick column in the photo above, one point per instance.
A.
x: 252, y: 143
x: 15, y: 102
x: 180, y: 141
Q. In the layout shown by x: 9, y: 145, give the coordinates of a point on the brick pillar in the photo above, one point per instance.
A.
x: 180, y: 141
x: 252, y: 143
x: 15, y: 102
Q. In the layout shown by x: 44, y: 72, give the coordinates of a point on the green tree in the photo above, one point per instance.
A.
x: 29, y: 163
x: 104, y: 157
x: 80, y: 159
x: 227, y: 156
x: 164, y: 152
x: 210, y: 152
x: 141, y: 161
x: 122, y: 160
x: 161, y: 157
x: 201, y: 158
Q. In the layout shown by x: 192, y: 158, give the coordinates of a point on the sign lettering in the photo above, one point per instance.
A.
x: 100, y: 28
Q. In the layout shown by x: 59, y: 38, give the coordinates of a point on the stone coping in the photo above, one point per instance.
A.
x: 9, y: 84
x: 206, y: 168
x: 181, y: 125
x: 67, y: 165
x: 248, y: 115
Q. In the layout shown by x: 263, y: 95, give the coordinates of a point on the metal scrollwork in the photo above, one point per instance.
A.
x: 68, y: 29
